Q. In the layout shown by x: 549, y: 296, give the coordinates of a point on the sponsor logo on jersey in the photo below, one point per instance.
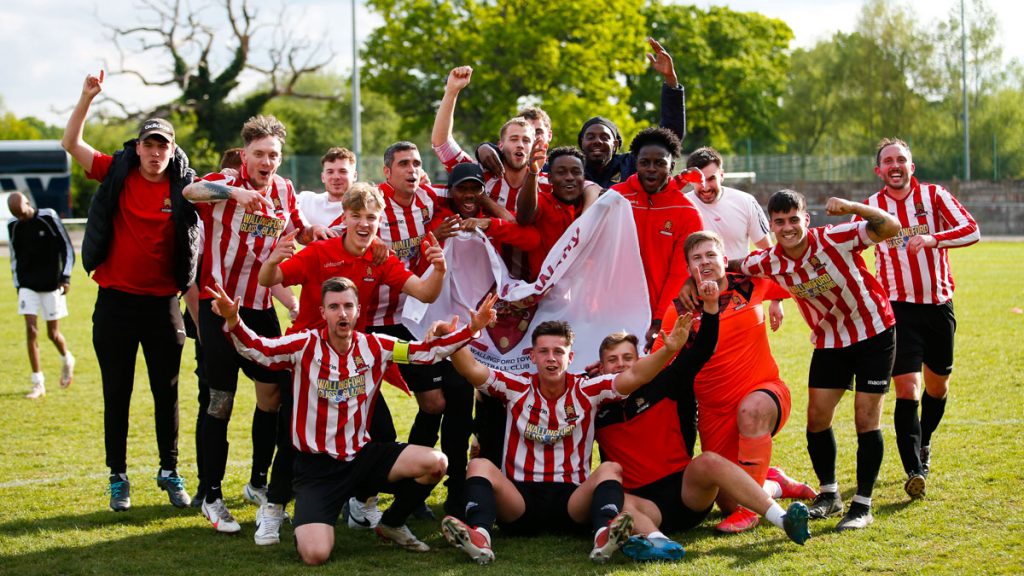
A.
x: 813, y: 288
x: 260, y: 225
x: 338, y: 391
x: 547, y: 436
x: 408, y: 249
x: 900, y: 239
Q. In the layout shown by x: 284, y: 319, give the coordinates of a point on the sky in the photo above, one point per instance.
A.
x: 50, y: 45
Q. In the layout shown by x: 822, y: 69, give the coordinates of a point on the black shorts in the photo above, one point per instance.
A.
x: 323, y: 484
x: 547, y: 510
x: 869, y: 361
x: 667, y: 495
x: 222, y: 362
x: 419, y: 377
x: 924, y: 334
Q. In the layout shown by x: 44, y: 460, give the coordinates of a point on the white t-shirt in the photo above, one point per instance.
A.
x: 318, y: 208
x: 736, y: 217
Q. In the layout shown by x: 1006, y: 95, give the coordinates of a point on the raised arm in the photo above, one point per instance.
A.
x: 673, y: 97
x: 465, y: 364
x: 649, y: 366
x: 458, y: 79
x: 270, y: 271
x: 881, y: 224
x: 73, y: 141
x: 526, y: 202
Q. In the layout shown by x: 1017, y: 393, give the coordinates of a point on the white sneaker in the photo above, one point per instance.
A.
x: 67, y: 371
x: 363, y: 516
x: 256, y: 495
x: 38, y: 391
x: 268, y: 524
x: 219, y: 515
x: 401, y: 537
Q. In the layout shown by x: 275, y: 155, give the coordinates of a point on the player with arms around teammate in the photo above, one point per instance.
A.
x: 545, y: 483
x: 141, y: 246
x: 336, y: 377
x: 914, y: 270
x: 851, y: 328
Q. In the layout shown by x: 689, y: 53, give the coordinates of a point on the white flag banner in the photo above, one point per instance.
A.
x: 592, y: 278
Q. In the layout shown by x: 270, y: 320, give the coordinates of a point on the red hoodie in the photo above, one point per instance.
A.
x: 663, y: 221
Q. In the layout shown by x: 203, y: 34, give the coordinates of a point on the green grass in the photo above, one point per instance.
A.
x: 54, y: 517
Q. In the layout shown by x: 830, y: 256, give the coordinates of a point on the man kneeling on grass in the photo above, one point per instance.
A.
x: 545, y: 483
x: 337, y: 373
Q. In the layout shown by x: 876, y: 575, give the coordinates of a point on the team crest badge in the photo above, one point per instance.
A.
x: 514, y: 319
x: 815, y: 263
x: 666, y: 229
x: 359, y: 362
x: 570, y: 413
x: 167, y: 205
x: 425, y: 213
x: 919, y: 210
x: 369, y: 275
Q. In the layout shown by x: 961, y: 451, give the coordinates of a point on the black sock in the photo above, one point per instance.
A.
x: 870, y: 449
x: 932, y: 410
x: 279, y: 489
x: 606, y: 503
x: 424, y: 429
x: 215, y: 443
x: 481, y: 507
x: 908, y: 434
x: 821, y: 447
x: 264, y: 436
x: 409, y: 494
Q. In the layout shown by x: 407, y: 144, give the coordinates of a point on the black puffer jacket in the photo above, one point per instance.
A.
x: 99, y: 230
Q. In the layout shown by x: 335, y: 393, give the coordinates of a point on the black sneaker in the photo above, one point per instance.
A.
x: 120, y: 491
x: 197, y: 500
x: 926, y: 460
x: 914, y: 486
x: 825, y: 504
x: 857, y: 517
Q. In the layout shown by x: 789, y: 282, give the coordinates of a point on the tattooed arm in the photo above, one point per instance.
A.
x: 881, y: 224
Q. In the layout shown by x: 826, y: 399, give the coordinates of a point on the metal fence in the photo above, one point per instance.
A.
x: 791, y: 168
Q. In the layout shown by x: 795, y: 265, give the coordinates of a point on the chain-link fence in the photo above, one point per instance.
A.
x: 304, y: 171
x: 791, y: 168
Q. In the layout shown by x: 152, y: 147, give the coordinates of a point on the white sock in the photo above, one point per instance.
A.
x: 656, y: 534
x: 165, y: 473
x: 122, y: 476
x: 865, y: 500
x: 775, y: 514
x: 833, y: 488
x: 37, y: 378
x: 67, y: 358
x: 773, y: 489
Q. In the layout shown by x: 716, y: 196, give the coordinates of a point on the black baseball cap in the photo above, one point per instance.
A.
x: 466, y: 171
x: 157, y: 127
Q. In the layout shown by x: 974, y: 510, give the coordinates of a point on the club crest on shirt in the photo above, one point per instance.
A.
x: 358, y: 361
x: 167, y: 205
x: 919, y: 210
x: 570, y: 413
x: 815, y: 263
x: 369, y: 275
x: 666, y: 228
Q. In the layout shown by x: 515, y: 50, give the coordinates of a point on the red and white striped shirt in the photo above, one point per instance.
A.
x: 497, y: 187
x: 837, y: 295
x: 403, y: 228
x: 237, y: 241
x: 335, y: 393
x: 924, y: 278
x: 549, y: 440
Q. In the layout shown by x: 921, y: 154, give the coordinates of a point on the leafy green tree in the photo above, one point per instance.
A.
x: 571, y: 60
x: 733, y: 65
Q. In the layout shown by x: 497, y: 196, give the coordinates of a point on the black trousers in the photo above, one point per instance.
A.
x: 121, y: 322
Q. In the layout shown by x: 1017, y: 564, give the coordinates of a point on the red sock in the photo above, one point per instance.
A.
x: 754, y: 456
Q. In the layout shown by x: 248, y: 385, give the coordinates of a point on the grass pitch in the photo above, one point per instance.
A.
x: 54, y: 517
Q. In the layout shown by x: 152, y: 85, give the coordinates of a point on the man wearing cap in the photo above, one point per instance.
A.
x: 141, y: 245
x: 600, y: 140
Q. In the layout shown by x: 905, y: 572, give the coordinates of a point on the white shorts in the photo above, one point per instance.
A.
x: 53, y: 305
